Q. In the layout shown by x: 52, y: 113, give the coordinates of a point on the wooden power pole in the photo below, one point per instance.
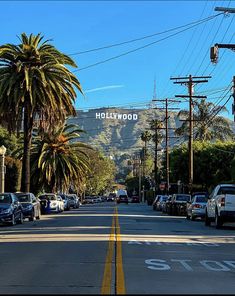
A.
x: 190, y: 82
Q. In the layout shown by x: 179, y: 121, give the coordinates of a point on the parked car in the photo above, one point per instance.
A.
x: 11, y: 210
x: 178, y: 204
x: 135, y: 199
x: 197, y: 206
x: 66, y: 201
x: 160, y: 202
x: 49, y: 203
x: 111, y: 197
x: 220, y: 206
x: 155, y: 202
x: 88, y: 200
x: 122, y: 199
x: 61, y: 202
x: 168, y: 206
x: 74, y: 200
x: 31, y: 206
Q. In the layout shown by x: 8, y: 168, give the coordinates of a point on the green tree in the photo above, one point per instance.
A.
x: 207, y: 127
x: 34, y: 84
x: 101, y: 176
x: 59, y: 159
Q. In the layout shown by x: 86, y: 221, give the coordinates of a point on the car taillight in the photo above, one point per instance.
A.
x: 197, y: 206
x: 222, y: 201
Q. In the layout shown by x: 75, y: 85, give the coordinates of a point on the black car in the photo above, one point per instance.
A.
x: 122, y: 198
x: 10, y: 209
x: 179, y: 203
x: 30, y: 204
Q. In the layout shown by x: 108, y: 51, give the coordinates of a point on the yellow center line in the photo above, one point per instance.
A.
x: 107, y: 277
x: 120, y: 280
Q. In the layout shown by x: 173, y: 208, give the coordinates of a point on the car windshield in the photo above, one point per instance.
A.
x: 5, y: 198
x: 24, y: 198
x: 201, y: 198
x: 183, y: 197
x: 47, y: 196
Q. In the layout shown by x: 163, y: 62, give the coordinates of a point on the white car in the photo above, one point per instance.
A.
x: 220, y: 205
x: 61, y: 203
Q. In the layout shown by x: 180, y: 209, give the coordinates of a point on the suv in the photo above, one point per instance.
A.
x: 220, y: 205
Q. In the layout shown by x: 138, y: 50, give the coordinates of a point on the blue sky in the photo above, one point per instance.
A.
x: 77, y: 26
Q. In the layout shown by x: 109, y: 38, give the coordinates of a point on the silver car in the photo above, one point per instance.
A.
x: 197, y: 207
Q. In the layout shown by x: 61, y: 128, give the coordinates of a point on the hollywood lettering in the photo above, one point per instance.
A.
x: 123, y: 116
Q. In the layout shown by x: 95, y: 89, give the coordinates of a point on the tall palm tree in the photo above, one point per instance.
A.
x: 34, y: 84
x: 59, y: 159
x: 207, y: 126
x: 145, y: 137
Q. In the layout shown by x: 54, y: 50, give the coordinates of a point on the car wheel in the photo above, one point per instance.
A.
x: 218, y: 220
x: 207, y: 220
x: 192, y: 217
x: 13, y: 221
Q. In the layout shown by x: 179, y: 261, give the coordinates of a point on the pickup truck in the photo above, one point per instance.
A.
x: 220, y: 206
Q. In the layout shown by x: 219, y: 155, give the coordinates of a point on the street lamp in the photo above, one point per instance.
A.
x: 3, y: 150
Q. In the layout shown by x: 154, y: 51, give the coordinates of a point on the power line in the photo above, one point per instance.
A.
x: 144, y: 46
x: 140, y: 38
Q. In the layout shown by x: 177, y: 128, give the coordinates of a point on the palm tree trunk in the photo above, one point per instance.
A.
x: 28, y: 128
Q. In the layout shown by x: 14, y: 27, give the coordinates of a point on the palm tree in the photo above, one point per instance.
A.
x: 207, y: 126
x: 145, y: 137
x: 59, y: 159
x: 34, y: 84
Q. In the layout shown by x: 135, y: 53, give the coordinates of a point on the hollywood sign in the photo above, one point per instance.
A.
x: 123, y: 116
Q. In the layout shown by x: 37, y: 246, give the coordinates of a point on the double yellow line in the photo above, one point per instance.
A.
x: 114, y: 249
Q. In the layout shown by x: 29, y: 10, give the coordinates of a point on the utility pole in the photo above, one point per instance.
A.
x: 140, y: 176
x: 190, y: 82
x: 233, y: 106
x: 167, y: 137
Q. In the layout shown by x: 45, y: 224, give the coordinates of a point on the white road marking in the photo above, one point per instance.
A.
x: 211, y: 265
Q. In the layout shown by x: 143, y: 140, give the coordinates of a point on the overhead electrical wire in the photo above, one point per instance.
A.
x: 141, y: 38
x: 146, y: 45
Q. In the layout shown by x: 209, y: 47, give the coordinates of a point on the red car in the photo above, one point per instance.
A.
x: 135, y: 199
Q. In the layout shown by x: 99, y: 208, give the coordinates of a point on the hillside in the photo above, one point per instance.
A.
x: 121, y: 135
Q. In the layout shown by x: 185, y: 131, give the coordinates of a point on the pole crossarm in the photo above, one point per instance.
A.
x: 225, y: 9
x: 190, y: 82
x: 196, y: 97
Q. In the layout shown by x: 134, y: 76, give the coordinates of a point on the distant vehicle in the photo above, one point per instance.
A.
x: 88, y: 200
x: 168, y: 205
x: 61, y: 202
x: 122, y: 199
x: 121, y: 192
x: 220, y: 205
x: 154, y: 204
x: 49, y: 203
x: 111, y: 197
x: 74, y: 200
x: 66, y: 201
x: 11, y: 210
x: 160, y: 201
x: 178, y: 204
x: 135, y: 199
x: 197, y: 207
x: 30, y: 205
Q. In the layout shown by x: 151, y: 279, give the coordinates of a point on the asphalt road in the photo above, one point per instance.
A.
x: 116, y: 249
